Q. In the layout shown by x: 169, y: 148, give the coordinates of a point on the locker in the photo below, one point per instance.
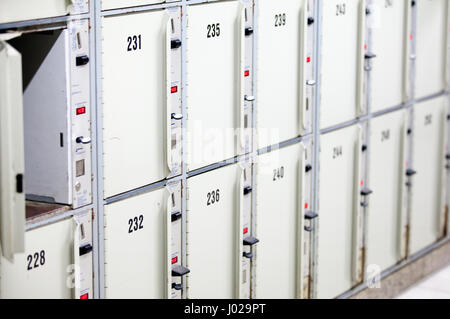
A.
x: 283, y: 190
x: 115, y: 4
x: 57, y: 120
x: 342, y: 70
x: 141, y: 99
x: 282, y: 65
x: 215, y: 77
x: 215, y: 234
x: 50, y: 268
x: 339, y: 243
x: 12, y: 198
x: 431, y: 47
x: 18, y: 10
x: 140, y: 246
x: 390, y: 45
x: 427, y: 193
x: 387, y: 206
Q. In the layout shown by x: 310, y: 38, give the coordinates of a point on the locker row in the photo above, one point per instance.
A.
x: 153, y: 123
x: 378, y: 205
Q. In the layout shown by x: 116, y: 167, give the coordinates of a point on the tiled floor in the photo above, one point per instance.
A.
x: 436, y: 286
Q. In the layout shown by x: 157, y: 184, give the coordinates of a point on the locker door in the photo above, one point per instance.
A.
x: 337, y: 190
x: 389, y: 41
x: 431, y: 46
x: 18, y: 10
x: 281, y: 70
x: 342, y: 61
x: 212, y: 234
x: 12, y: 198
x: 114, y: 4
x: 50, y: 265
x: 426, y: 208
x: 280, y: 209
x: 386, y: 178
x: 134, y: 100
x: 135, y: 241
x: 214, y: 92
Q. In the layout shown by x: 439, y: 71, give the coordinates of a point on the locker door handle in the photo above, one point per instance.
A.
x: 366, y: 192
x: 83, y: 140
x: 250, y: 241
x: 177, y: 286
x: 179, y: 271
x: 361, y: 58
x: 175, y: 44
x: 311, y: 215
x: 308, y: 168
x: 410, y: 172
x: 249, y: 98
x: 303, y: 66
x: 81, y: 60
x: 176, y: 116
x: 248, y: 31
x: 85, y: 249
x: 174, y: 216
x: 247, y: 255
x: 247, y: 190
x: 369, y: 56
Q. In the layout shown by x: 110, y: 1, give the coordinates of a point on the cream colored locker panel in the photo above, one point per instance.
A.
x: 114, y: 4
x: 57, y: 263
x: 427, y: 185
x: 18, y: 10
x: 337, y: 189
x: 134, y: 100
x: 135, y: 241
x: 281, y: 73
x: 214, y: 100
x: 386, y: 178
x: 12, y: 197
x: 280, y: 215
x: 342, y: 61
x: 212, y: 234
x: 389, y: 40
x: 431, y: 42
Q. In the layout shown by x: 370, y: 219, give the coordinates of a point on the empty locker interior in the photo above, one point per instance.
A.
x: 225, y: 149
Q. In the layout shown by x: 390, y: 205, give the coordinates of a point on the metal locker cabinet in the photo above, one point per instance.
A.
x: 386, y: 210
x: 431, y: 48
x: 114, y: 4
x: 135, y: 100
x: 135, y: 241
x: 214, y: 86
x: 337, y: 191
x: 281, y: 64
x: 342, y: 70
x: 18, y: 10
x: 426, y: 207
x: 280, y: 222
x: 389, y: 31
x: 12, y: 197
x: 51, y: 266
x: 212, y: 233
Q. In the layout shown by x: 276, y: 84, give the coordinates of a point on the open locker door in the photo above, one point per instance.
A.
x: 12, y: 197
x: 280, y: 222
